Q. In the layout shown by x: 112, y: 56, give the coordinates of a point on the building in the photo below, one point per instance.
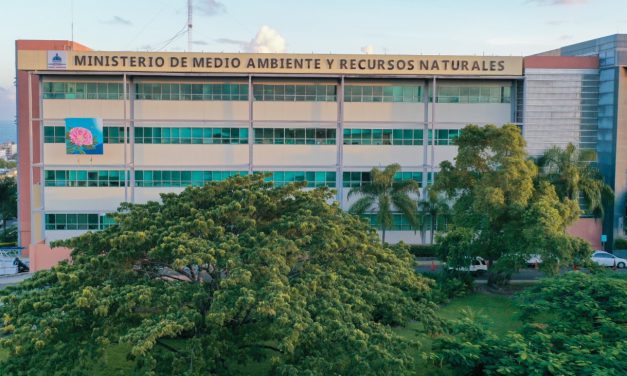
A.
x: 169, y: 120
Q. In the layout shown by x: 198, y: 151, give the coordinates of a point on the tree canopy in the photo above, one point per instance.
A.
x: 505, y: 212
x: 572, y: 325
x: 217, y: 278
x: 384, y: 194
x: 8, y: 199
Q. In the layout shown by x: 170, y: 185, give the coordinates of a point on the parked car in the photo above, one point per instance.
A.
x: 534, y: 260
x: 607, y: 259
x: 477, y: 266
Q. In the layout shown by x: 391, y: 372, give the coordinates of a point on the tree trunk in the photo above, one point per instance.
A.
x: 383, y: 236
x: 433, y: 223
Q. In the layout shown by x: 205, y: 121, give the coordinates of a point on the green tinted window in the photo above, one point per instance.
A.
x: 295, y: 93
x: 82, y: 221
x: 295, y: 136
x: 470, y: 94
x: 167, y: 135
x: 84, y: 178
x: 192, y: 91
x: 405, y: 93
x: 164, y: 178
x: 314, y: 179
x: 82, y: 90
x: 355, y: 136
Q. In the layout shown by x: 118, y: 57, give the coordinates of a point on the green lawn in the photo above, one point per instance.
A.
x: 498, y: 310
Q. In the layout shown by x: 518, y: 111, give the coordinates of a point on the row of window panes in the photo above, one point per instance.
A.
x: 313, y: 178
x: 369, y: 93
x: 229, y: 92
x: 352, y: 179
x: 56, y: 135
x: 484, y: 94
x: 82, y: 90
x: 295, y: 93
x: 194, y: 92
x: 295, y: 136
x: 71, y: 221
x: 354, y: 136
x: 401, y: 223
x: 158, y: 135
x: 162, y: 178
x: 84, y: 178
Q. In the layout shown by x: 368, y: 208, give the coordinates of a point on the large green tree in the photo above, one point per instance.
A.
x: 386, y: 195
x: 573, y: 173
x: 511, y: 215
x: 8, y: 199
x: 572, y: 325
x: 217, y: 279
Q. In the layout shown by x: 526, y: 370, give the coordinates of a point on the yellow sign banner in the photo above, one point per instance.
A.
x: 97, y: 61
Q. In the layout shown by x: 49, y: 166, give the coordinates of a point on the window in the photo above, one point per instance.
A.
x: 71, y: 221
x: 313, y: 178
x: 470, y: 94
x: 361, y: 93
x: 446, y: 136
x: 167, y: 135
x: 82, y: 90
x: 355, y: 136
x: 166, y: 178
x: 295, y: 93
x: 401, y: 223
x: 84, y: 178
x: 56, y: 135
x: 295, y: 136
x: 192, y: 91
x: 352, y: 179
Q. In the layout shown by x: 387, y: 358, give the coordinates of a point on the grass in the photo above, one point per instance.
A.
x: 499, y: 311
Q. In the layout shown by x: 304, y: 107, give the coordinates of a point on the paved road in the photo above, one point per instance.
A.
x: 9, y: 280
x: 521, y: 275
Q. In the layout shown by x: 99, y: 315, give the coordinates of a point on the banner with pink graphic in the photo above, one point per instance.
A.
x: 83, y: 136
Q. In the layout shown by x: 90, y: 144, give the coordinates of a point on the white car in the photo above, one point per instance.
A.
x: 607, y: 259
x: 477, y: 266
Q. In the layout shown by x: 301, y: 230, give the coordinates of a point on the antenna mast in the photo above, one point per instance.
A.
x: 189, y: 25
x: 72, y: 23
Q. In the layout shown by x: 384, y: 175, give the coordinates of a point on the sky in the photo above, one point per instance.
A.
x: 448, y: 27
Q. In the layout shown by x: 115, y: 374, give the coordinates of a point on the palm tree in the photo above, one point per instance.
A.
x: 386, y: 195
x: 573, y: 173
x: 433, y: 206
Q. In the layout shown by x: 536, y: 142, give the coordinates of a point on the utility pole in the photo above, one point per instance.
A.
x: 189, y: 25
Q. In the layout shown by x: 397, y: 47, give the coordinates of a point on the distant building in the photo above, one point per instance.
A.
x: 145, y: 123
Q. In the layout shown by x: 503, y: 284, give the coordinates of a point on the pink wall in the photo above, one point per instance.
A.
x: 589, y: 229
x: 42, y: 257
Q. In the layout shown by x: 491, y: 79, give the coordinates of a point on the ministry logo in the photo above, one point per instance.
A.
x: 57, y: 60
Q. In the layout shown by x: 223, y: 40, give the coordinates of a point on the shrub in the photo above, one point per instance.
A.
x: 423, y: 250
x: 620, y: 243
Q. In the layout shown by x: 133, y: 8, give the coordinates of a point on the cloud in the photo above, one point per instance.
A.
x: 566, y: 37
x: 558, y: 2
x: 7, y: 102
x: 200, y: 43
x: 368, y: 50
x: 210, y: 7
x: 267, y: 40
x: 117, y: 20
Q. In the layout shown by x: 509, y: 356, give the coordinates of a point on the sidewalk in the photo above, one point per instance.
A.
x: 13, y: 279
